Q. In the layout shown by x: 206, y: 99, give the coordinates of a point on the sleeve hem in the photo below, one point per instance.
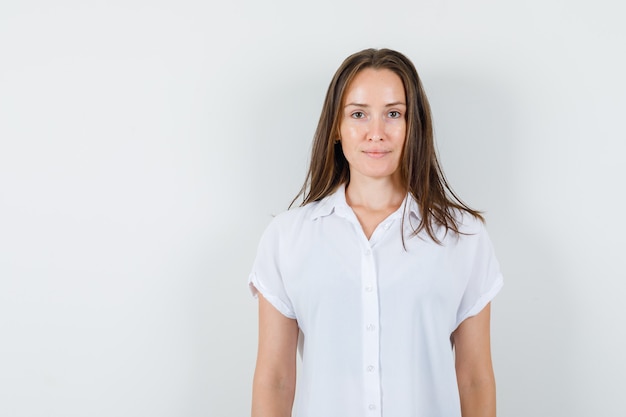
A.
x: 482, y: 302
x: 256, y: 288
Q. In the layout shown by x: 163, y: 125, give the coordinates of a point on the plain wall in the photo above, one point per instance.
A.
x: 145, y: 145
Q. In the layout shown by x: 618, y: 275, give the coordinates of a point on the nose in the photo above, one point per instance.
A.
x: 377, y: 130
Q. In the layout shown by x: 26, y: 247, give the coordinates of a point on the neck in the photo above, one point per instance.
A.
x: 374, y: 194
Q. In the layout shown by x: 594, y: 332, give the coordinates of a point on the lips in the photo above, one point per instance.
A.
x: 376, y: 153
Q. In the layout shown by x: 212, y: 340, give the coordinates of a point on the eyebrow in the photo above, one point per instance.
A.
x: 396, y: 103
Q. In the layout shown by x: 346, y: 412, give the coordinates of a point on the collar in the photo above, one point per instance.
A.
x: 336, y: 202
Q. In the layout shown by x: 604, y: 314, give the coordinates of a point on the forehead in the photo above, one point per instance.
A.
x: 375, y: 84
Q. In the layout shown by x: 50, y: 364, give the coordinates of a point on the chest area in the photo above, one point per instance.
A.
x: 336, y: 274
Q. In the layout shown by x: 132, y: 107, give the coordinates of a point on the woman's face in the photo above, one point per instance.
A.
x: 373, y: 124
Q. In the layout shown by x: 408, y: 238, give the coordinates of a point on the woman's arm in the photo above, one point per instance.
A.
x: 275, y: 374
x: 477, y: 386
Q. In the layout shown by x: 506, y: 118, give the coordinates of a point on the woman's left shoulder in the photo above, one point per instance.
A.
x: 468, y: 223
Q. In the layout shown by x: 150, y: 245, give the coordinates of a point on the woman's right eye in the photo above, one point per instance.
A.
x: 358, y: 115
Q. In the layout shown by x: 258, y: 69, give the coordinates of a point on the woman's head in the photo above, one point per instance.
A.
x: 329, y: 167
x: 419, y: 171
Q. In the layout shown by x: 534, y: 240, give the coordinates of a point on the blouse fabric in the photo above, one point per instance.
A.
x: 375, y: 318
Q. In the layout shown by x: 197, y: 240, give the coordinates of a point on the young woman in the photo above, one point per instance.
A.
x: 383, y: 277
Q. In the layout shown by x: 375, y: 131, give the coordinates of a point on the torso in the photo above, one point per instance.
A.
x: 375, y: 317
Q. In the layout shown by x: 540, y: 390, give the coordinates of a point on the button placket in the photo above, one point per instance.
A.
x: 371, y: 342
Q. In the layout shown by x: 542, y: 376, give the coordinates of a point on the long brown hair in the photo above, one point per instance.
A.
x: 420, y: 170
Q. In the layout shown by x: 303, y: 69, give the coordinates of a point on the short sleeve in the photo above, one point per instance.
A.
x: 485, y: 279
x: 266, y: 277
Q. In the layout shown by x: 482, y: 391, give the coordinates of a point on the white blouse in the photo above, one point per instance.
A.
x: 375, y: 319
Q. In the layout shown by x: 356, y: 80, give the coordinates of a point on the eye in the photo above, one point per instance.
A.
x: 394, y: 114
x: 358, y: 115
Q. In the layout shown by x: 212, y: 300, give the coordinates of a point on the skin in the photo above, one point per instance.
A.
x: 373, y: 129
x: 274, y: 381
x: 474, y: 371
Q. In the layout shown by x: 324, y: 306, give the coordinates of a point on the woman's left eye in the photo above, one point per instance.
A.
x: 394, y: 114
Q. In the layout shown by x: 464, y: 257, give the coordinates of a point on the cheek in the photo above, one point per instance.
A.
x: 399, y: 131
x: 349, y: 132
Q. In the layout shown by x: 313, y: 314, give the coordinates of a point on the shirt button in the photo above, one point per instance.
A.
x: 386, y: 227
x: 372, y: 407
x: 370, y: 368
x: 369, y: 288
x: 368, y: 252
x: 371, y: 327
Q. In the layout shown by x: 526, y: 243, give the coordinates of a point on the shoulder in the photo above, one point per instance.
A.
x: 468, y: 223
x: 298, y: 214
x: 470, y: 229
x: 293, y: 219
x: 473, y: 237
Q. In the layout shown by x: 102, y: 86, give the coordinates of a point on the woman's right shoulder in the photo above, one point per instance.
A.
x: 293, y: 219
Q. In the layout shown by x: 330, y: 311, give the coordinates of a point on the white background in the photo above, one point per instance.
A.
x: 144, y: 146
